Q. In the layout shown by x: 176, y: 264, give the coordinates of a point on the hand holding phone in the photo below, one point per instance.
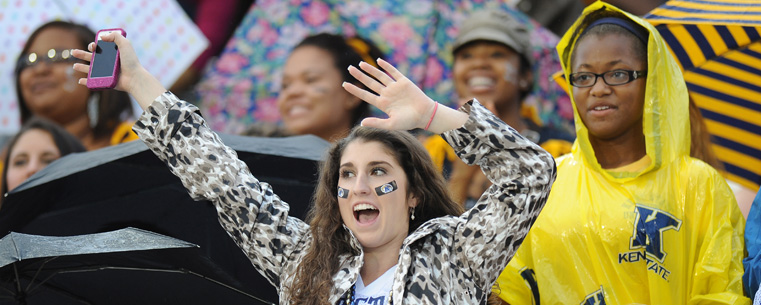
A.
x: 104, y: 67
x: 133, y: 78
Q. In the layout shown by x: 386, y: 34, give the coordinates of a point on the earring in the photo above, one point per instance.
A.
x: 412, y: 213
x: 92, y: 108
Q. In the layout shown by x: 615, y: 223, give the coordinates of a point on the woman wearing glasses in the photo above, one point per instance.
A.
x: 46, y: 86
x: 632, y: 218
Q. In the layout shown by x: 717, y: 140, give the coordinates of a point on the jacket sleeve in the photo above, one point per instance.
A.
x: 517, y: 284
x: 248, y: 209
x: 521, y: 173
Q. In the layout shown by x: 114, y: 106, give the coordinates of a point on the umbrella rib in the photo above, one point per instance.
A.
x: 43, y: 282
x: 29, y: 288
x: 230, y: 287
x: 10, y: 292
x: 66, y: 293
x: 184, y: 271
x: 18, y: 280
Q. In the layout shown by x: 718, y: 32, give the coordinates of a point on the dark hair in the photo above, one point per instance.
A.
x: 64, y: 141
x: 640, y: 47
x: 700, y: 138
x: 112, y: 104
x: 313, y: 281
x: 525, y: 64
x: 344, y: 55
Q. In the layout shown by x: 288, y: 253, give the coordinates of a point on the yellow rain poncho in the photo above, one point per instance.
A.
x: 668, y: 233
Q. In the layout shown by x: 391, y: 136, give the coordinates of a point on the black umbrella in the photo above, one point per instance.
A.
x: 127, y: 266
x: 127, y: 186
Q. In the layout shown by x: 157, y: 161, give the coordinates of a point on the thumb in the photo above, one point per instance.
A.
x: 119, y: 38
x: 376, y: 123
x: 109, y: 37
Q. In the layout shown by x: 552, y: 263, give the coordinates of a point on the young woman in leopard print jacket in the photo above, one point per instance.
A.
x: 383, y: 228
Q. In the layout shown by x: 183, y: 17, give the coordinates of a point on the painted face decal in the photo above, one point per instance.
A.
x: 343, y: 193
x: 386, y: 188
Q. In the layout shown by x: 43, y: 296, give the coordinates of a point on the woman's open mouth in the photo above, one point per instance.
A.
x: 365, y: 213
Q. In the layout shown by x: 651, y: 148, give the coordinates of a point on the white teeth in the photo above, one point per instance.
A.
x: 363, y: 206
x: 602, y: 108
x: 298, y: 110
x: 480, y: 81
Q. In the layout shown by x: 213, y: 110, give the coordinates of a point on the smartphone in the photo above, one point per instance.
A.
x: 104, y: 67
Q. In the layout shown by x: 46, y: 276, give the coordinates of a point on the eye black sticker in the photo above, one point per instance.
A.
x: 386, y: 188
x: 343, y: 193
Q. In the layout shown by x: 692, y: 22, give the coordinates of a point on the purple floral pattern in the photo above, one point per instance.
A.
x: 415, y: 35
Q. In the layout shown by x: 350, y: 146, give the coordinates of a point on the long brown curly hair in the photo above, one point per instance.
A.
x: 314, y: 276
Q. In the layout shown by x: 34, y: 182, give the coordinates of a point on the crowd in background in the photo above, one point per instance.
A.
x: 610, y: 175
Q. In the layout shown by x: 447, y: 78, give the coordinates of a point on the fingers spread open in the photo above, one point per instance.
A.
x: 378, y: 74
x: 365, y: 79
x: 390, y: 69
x: 83, y: 55
x: 81, y: 68
x: 360, y: 93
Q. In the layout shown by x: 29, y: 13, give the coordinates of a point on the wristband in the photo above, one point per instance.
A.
x: 435, y: 107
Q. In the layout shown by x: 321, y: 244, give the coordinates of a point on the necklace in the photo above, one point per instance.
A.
x: 351, y: 294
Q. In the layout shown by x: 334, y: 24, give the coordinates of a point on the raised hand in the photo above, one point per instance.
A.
x: 405, y: 104
x: 133, y: 78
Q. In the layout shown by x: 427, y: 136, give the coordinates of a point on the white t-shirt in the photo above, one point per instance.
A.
x: 377, y: 292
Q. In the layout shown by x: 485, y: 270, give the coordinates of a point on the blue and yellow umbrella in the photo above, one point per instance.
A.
x: 718, y: 46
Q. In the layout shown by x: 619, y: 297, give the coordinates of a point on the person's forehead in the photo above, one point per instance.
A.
x: 309, y: 56
x: 609, y: 45
x: 486, y: 45
x: 51, y: 38
x: 33, y: 138
x: 362, y: 152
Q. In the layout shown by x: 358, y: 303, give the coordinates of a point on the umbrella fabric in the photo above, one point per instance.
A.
x: 416, y: 36
x: 127, y: 266
x: 718, y: 45
x: 16, y: 247
x: 165, y: 39
x: 128, y: 186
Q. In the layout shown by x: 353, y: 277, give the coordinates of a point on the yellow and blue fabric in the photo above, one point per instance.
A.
x: 663, y: 230
x: 718, y: 46
x: 752, y: 263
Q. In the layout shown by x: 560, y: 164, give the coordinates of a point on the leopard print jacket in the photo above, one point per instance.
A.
x: 448, y: 260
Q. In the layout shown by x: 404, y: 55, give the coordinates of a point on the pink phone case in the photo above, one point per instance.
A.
x: 107, y: 82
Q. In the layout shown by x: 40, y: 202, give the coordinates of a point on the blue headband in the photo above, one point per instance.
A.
x: 635, y: 29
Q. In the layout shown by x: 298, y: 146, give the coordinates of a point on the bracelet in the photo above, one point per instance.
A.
x: 436, y: 106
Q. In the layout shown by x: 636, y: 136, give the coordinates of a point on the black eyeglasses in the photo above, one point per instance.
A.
x: 611, y: 78
x: 53, y: 56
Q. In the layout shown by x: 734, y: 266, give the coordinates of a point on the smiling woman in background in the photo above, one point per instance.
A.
x: 311, y: 100
x: 46, y: 86
x: 632, y: 218
x: 493, y: 63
